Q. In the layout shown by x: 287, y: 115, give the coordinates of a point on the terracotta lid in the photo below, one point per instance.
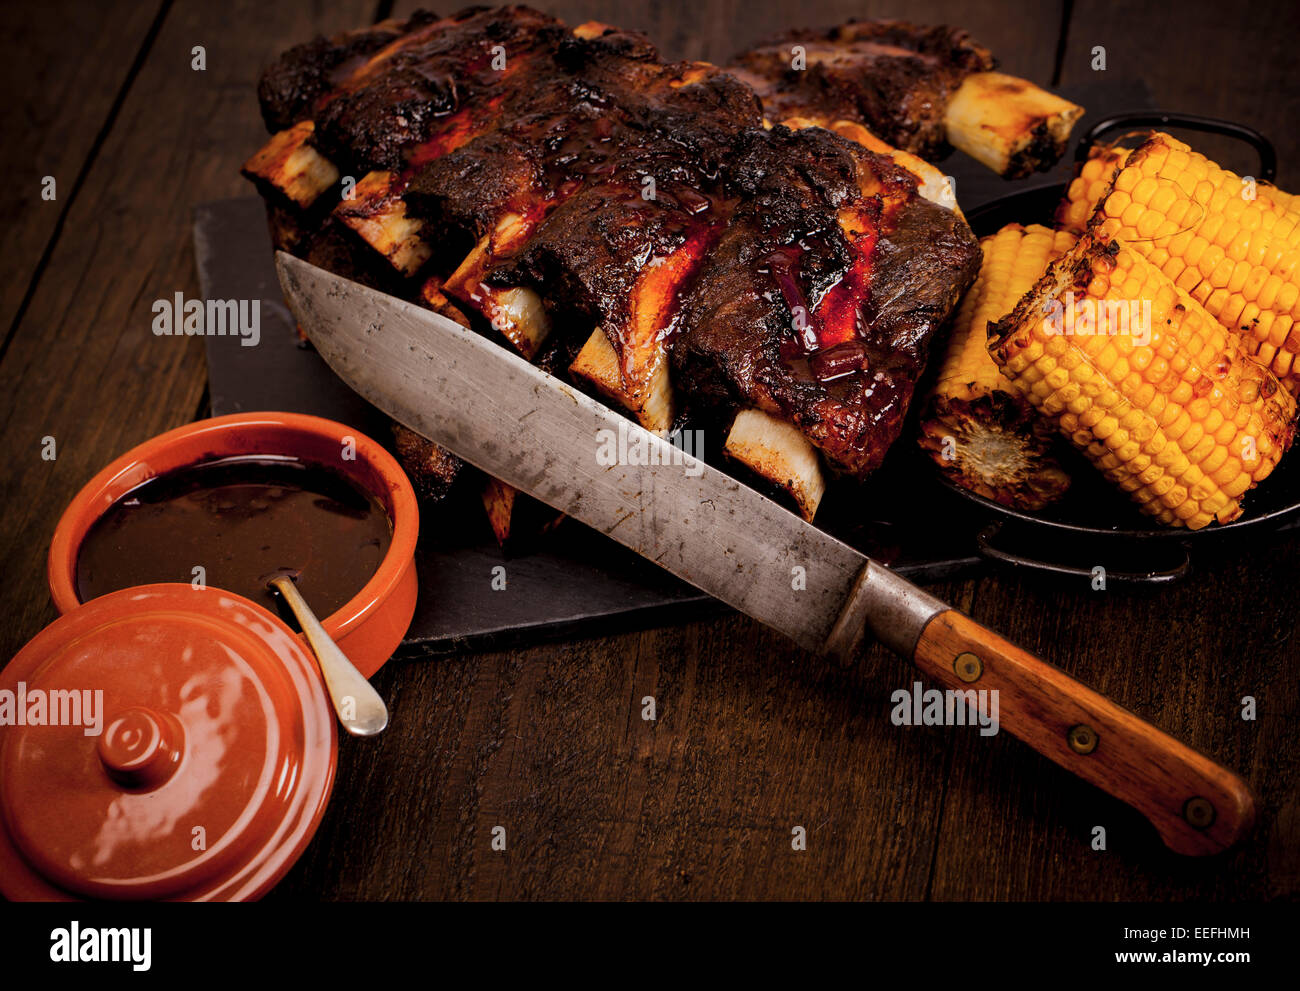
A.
x: 161, y: 742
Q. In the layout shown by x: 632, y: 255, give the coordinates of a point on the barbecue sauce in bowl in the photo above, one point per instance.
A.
x: 242, y: 520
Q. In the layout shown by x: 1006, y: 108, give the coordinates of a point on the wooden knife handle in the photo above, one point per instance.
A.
x: 1196, y: 806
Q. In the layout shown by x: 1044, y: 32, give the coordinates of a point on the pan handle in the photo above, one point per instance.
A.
x: 1193, y: 122
x: 987, y: 548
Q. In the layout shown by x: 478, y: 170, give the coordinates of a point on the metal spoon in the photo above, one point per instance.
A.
x: 344, y: 682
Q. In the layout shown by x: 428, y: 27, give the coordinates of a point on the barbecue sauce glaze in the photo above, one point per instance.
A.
x: 243, y: 520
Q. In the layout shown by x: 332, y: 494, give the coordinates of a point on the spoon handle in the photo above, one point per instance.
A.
x: 360, y: 709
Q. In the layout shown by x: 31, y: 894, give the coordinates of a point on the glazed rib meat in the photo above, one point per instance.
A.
x: 572, y: 192
x: 436, y: 82
x: 632, y: 185
x: 821, y: 298
x: 292, y: 87
x: 922, y: 89
x: 894, y: 76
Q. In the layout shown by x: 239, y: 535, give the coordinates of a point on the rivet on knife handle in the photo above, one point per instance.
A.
x: 1196, y: 806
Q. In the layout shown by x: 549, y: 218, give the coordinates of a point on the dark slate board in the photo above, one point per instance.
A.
x: 575, y: 580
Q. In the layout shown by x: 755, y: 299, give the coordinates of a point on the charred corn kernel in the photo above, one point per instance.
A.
x: 1089, y: 186
x: 977, y: 427
x: 1231, y: 244
x: 1192, y: 422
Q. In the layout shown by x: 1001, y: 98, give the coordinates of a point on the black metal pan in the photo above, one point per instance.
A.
x: 1095, y: 523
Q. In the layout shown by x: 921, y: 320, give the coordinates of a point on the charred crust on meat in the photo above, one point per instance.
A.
x: 733, y: 346
x: 898, y: 77
x: 427, y: 76
x: 433, y: 470
x: 290, y: 87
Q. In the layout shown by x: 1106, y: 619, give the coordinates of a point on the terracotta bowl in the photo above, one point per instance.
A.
x: 371, y: 625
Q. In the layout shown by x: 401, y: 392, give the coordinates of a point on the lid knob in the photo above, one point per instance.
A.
x: 141, y: 748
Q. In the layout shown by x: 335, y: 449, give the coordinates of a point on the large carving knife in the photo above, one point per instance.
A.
x: 529, y: 429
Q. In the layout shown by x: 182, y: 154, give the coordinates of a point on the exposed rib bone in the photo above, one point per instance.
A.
x: 1009, y: 124
x: 291, y: 166
x: 432, y: 295
x: 377, y: 214
x: 652, y: 404
x: 499, y: 502
x: 515, y: 516
x: 517, y: 312
x: 931, y: 183
x: 779, y: 453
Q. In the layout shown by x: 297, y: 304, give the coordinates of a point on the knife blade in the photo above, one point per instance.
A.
x: 533, y: 431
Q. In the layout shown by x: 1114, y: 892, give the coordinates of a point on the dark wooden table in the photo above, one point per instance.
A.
x: 752, y: 738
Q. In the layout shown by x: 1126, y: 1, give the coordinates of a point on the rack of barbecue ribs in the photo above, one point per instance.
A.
x: 636, y: 226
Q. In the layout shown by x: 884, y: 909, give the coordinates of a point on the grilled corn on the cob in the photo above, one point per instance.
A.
x: 976, y: 426
x: 1235, y: 251
x: 1160, y: 397
x: 1093, y: 178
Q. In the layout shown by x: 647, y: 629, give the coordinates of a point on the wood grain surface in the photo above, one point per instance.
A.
x: 1234, y: 63
x: 65, y: 68
x: 752, y: 738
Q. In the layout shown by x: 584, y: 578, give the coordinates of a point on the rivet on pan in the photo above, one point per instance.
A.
x: 1199, y: 812
x: 1082, y: 739
x: 968, y: 666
